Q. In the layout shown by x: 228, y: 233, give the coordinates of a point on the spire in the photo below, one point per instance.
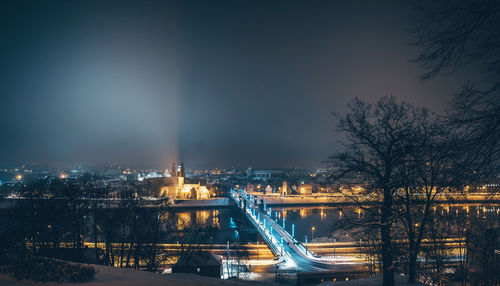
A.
x: 182, y: 171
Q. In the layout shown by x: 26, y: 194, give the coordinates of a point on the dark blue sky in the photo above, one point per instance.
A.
x: 212, y: 83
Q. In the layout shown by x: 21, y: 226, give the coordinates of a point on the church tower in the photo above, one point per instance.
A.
x: 284, y: 189
x: 180, y: 176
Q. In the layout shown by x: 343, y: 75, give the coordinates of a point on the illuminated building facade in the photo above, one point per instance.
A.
x: 305, y: 189
x: 177, y: 188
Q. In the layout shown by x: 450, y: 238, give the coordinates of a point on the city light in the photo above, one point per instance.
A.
x: 290, y: 142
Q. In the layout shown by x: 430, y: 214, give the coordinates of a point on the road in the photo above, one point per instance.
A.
x: 339, y: 199
x: 291, y: 252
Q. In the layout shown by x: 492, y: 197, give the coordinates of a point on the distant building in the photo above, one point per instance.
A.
x: 249, y: 172
x: 175, y: 187
x: 167, y: 173
x: 284, y: 189
x: 250, y: 187
x: 202, y: 263
x: 150, y: 175
x: 268, y: 189
x: 266, y: 175
x: 112, y: 172
x: 305, y: 189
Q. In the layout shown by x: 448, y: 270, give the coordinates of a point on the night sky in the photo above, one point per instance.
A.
x: 212, y: 83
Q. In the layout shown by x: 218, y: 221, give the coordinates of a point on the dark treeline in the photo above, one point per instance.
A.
x: 64, y: 214
x: 405, y: 158
x: 404, y: 154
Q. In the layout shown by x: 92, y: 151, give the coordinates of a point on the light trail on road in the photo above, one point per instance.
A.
x: 292, y: 253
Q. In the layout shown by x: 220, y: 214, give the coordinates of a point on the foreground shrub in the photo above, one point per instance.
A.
x: 27, y: 267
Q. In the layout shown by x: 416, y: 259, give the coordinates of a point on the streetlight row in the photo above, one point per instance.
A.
x: 269, y: 211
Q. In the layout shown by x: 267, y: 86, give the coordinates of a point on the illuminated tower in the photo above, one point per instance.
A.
x: 180, y: 176
x: 284, y: 189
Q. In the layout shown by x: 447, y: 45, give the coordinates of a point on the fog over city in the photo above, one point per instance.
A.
x: 215, y: 84
x: 250, y: 142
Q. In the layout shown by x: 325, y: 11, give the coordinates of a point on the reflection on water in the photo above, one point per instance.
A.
x: 324, y: 219
x: 305, y: 212
x: 183, y: 220
x: 322, y: 213
x: 227, y: 224
x: 202, y: 218
x: 231, y: 223
x: 360, y: 213
x: 215, y: 219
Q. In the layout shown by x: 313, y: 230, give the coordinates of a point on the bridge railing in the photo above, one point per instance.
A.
x: 275, y: 248
x: 253, y: 212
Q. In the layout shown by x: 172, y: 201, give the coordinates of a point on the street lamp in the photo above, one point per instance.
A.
x: 334, y: 245
x: 282, y: 211
x: 312, y: 232
x: 306, y: 244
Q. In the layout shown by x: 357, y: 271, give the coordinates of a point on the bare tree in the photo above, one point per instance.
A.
x: 433, y: 170
x: 436, y: 252
x: 453, y: 34
x: 376, y: 145
x: 370, y: 247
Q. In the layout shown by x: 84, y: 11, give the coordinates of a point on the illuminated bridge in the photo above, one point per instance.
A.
x: 291, y: 252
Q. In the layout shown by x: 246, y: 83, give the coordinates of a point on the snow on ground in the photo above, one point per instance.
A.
x: 370, y: 281
x: 107, y: 275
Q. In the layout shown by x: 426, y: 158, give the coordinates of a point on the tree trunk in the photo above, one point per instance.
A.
x: 415, y: 246
x: 95, y: 232
x: 412, y: 268
x: 127, y: 262
x: 136, y: 255
x: 412, y: 257
x: 387, y: 260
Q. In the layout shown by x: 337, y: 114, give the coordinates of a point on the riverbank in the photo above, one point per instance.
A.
x: 107, y: 275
